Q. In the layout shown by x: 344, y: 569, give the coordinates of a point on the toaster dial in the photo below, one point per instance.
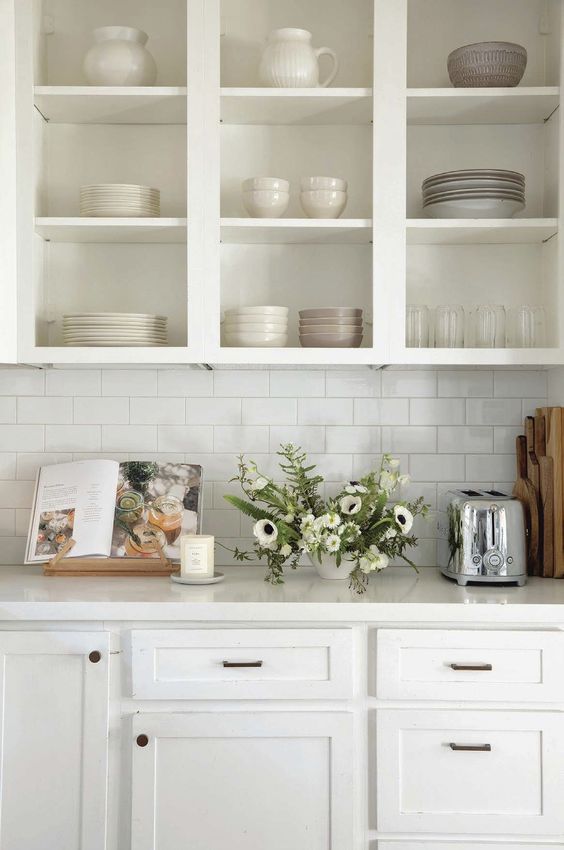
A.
x: 493, y: 561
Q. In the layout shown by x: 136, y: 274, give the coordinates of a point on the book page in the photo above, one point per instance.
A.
x: 73, y: 500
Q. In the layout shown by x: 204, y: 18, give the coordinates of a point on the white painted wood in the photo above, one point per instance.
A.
x: 503, y: 231
x: 295, y: 664
x: 296, y: 106
x: 104, y: 230
x: 243, y: 780
x: 8, y: 231
x: 425, y: 786
x: 280, y: 231
x: 520, y: 105
x: 457, y: 845
x: 112, y: 105
x: 54, y: 740
x: 526, y: 666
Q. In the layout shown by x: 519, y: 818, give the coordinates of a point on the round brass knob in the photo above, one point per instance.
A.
x: 142, y: 740
x: 95, y: 656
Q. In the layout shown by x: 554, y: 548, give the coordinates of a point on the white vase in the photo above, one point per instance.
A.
x: 119, y: 58
x: 290, y: 61
x: 328, y: 568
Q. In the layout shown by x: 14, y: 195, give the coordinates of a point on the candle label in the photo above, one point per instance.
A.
x: 197, y: 558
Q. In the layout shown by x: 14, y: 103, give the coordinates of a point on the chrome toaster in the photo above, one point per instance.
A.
x: 485, y: 538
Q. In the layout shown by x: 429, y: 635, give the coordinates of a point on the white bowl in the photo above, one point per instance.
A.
x: 255, y: 327
x: 257, y: 183
x: 310, y: 184
x: 474, y: 208
x: 260, y: 340
x: 268, y: 310
x: 323, y: 203
x: 266, y: 203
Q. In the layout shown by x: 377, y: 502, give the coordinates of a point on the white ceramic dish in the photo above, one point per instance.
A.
x: 481, y: 183
x: 257, y: 340
x: 266, y: 203
x: 113, y: 316
x: 477, y: 172
x: 310, y: 184
x: 323, y: 203
x: 331, y: 340
x: 324, y: 312
x: 215, y: 579
x: 255, y: 327
x: 475, y: 208
x: 257, y: 311
x: 447, y: 196
x: 257, y: 183
x: 117, y: 343
x: 120, y: 186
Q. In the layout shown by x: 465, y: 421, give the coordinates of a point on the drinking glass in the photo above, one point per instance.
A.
x: 449, y: 326
x: 489, y: 326
x: 526, y: 327
x: 416, y: 326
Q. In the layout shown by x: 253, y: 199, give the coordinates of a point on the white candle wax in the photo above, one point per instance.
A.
x: 196, y: 555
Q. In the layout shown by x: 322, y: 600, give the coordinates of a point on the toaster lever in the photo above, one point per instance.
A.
x: 471, y: 666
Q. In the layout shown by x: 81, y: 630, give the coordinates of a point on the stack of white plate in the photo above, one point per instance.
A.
x: 331, y: 327
x: 262, y: 327
x: 474, y: 193
x: 124, y: 200
x: 119, y: 329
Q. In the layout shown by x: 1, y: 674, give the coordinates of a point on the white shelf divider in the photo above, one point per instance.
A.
x: 296, y: 106
x: 463, y: 231
x: 111, y: 104
x: 280, y: 231
x: 525, y: 105
x: 102, y: 230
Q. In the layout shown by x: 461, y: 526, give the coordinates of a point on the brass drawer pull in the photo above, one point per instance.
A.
x: 242, y: 663
x: 471, y: 748
x: 485, y: 667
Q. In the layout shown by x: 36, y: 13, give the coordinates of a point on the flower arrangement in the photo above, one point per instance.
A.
x: 359, y: 525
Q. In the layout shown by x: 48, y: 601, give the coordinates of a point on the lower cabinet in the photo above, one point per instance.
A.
x: 54, y: 740
x: 470, y: 772
x: 243, y: 780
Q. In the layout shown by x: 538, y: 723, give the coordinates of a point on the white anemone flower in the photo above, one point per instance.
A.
x: 266, y: 533
x: 286, y: 550
x: 404, y: 518
x: 379, y: 560
x: 388, y: 481
x: 259, y: 484
x: 332, y: 543
x: 350, y: 505
x: 393, y: 463
x: 390, y: 533
x: 365, y: 564
x: 355, y: 487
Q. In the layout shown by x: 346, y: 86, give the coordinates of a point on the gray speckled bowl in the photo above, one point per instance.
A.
x: 487, y: 64
x: 339, y: 340
x: 331, y: 313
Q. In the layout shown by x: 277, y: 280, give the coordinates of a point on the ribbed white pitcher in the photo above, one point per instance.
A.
x: 290, y: 61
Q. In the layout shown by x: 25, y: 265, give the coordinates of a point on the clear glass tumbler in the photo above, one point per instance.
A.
x: 416, y: 326
x: 526, y: 327
x: 488, y: 321
x: 449, y: 326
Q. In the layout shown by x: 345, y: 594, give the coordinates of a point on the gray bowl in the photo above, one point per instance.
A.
x: 487, y: 64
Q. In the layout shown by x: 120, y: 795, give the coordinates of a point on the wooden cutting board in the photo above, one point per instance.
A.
x: 554, y: 450
x: 547, y: 514
x: 525, y: 492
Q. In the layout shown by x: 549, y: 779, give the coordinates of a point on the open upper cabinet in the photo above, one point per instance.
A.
x: 389, y: 119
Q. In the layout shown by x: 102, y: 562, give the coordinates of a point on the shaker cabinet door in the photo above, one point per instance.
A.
x: 54, y: 739
x: 242, y: 780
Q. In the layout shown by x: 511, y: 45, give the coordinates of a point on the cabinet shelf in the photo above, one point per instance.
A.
x: 280, y: 231
x: 296, y: 106
x: 463, y: 231
x: 291, y: 356
x: 527, y: 105
x: 171, y: 230
x: 100, y: 355
x: 111, y: 105
x: 479, y: 356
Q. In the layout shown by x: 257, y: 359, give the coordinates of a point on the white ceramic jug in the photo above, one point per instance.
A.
x: 119, y: 58
x: 290, y: 61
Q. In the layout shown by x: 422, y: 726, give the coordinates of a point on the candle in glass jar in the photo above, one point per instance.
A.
x: 196, y: 555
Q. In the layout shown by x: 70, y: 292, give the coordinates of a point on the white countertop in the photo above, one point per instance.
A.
x: 395, y: 595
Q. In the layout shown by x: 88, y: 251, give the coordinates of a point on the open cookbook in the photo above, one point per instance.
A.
x: 113, y: 509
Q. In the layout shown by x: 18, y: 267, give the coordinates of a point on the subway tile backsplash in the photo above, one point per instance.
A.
x: 449, y: 427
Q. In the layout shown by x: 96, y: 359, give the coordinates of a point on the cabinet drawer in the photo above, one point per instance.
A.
x: 457, y: 845
x: 471, y: 666
x: 470, y: 772
x: 242, y: 664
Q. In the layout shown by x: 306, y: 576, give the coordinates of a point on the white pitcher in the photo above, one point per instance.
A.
x: 290, y: 61
x: 119, y: 58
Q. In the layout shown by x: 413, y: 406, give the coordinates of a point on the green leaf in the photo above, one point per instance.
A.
x: 248, y: 508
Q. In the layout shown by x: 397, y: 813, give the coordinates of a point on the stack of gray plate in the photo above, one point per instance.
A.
x: 474, y: 193
x: 331, y: 327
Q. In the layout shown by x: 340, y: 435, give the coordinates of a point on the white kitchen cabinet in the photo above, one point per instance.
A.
x: 470, y: 772
x: 245, y: 780
x: 54, y: 740
x: 390, y: 119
